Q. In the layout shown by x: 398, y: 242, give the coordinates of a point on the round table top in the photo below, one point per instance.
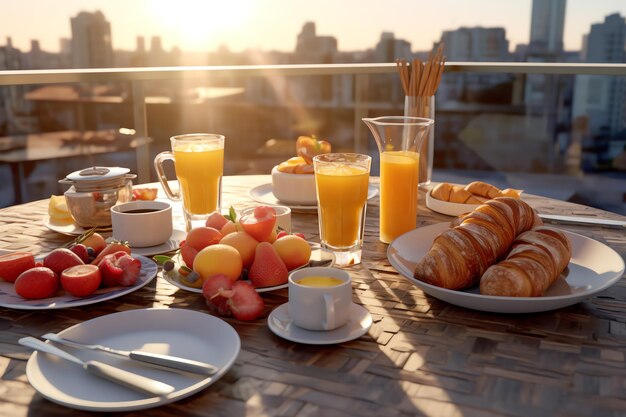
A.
x: 421, y: 356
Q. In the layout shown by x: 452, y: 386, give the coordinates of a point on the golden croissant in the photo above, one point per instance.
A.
x: 537, y: 258
x: 459, y: 256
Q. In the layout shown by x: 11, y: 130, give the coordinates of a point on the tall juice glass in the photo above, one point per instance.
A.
x: 341, y: 181
x: 199, y: 163
x: 399, y: 139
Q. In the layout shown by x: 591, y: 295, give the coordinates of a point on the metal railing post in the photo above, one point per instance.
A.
x: 142, y: 151
x: 361, y: 83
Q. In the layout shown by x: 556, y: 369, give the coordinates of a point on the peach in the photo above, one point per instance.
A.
x: 201, y: 237
x: 244, y: 243
x: 230, y: 227
x: 293, y: 250
x: 218, y: 259
x: 36, y: 283
x: 216, y: 220
x: 95, y: 242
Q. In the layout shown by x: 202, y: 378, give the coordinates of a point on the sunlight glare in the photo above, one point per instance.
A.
x: 201, y: 24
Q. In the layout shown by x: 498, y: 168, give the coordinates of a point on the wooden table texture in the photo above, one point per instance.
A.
x: 421, y: 356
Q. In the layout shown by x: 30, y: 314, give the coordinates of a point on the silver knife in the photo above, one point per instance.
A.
x: 167, y: 361
x: 128, y: 379
x: 588, y: 221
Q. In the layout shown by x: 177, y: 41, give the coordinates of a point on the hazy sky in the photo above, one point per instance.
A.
x: 203, y: 25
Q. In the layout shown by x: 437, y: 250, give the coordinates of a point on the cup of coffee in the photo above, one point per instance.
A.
x: 319, y: 298
x: 142, y: 223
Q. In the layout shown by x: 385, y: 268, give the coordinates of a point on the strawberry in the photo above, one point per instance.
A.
x: 145, y: 193
x: 60, y: 259
x: 188, y: 254
x: 111, y: 248
x: 119, y: 268
x: 13, y: 264
x: 244, y: 302
x: 260, y: 223
x: 268, y: 269
x: 214, y: 289
x: 82, y: 252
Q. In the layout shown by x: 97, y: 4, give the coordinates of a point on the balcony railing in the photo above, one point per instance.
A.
x: 137, y: 76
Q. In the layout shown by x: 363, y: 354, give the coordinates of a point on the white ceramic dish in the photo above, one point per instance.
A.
x: 172, y: 244
x: 593, y: 268
x: 263, y: 194
x: 71, y: 229
x: 9, y: 298
x: 296, y: 189
x: 185, y: 333
x: 358, y: 324
x: 319, y: 257
x: 447, y: 208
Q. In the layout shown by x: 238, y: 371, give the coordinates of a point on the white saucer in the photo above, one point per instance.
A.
x: 358, y: 324
x: 71, y: 229
x: 263, y: 194
x: 171, y: 245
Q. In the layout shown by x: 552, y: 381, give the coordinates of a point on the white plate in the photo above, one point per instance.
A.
x: 67, y: 229
x: 263, y: 194
x: 189, y: 334
x: 171, y: 245
x: 10, y: 299
x: 593, y: 268
x: 280, y: 324
x: 319, y: 256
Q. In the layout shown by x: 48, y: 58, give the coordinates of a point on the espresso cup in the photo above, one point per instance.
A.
x: 319, y: 298
x: 142, y: 223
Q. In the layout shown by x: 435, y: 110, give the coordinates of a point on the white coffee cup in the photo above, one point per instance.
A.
x: 324, y: 307
x: 142, y: 223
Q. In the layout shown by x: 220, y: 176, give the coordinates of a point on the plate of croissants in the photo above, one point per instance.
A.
x: 501, y: 258
x: 454, y: 199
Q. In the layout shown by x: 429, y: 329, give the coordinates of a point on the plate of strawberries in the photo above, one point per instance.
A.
x: 72, y: 277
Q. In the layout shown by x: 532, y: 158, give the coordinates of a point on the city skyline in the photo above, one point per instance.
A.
x: 243, y: 24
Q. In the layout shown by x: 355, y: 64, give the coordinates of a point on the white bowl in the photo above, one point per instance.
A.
x: 448, y: 208
x: 297, y: 189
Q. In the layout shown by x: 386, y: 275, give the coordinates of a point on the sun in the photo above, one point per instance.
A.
x: 200, y: 24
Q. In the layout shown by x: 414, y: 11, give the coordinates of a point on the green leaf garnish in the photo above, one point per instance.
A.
x: 233, y: 214
x: 160, y: 259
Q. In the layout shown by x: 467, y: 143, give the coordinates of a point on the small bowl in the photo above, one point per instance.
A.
x: 448, y: 208
x: 296, y: 189
x: 142, y: 223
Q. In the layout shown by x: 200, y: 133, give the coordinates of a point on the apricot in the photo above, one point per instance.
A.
x: 218, y: 259
x: 230, y: 227
x: 293, y: 250
x: 36, y: 283
x: 216, y: 220
x: 244, y: 243
x: 201, y: 237
x: 96, y: 242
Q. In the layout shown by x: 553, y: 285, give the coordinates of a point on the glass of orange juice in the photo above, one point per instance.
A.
x: 399, y: 139
x: 341, y: 180
x: 199, y: 163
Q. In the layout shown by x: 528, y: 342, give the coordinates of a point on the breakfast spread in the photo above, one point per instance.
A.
x: 293, y: 181
x: 476, y: 192
x: 472, y: 252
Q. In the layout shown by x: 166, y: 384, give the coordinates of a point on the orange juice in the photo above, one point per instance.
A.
x: 341, y: 194
x: 399, y: 172
x: 199, y: 169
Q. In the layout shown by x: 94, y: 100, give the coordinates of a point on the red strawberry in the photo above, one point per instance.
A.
x: 244, y: 302
x: 119, y: 268
x: 260, y: 223
x: 188, y: 254
x: 214, y: 290
x: 267, y: 270
x: 60, y: 259
x: 81, y: 250
x: 109, y: 249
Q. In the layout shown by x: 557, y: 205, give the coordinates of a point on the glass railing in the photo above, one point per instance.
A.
x: 550, y: 129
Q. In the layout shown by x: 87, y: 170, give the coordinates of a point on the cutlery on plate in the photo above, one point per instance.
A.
x: 160, y: 360
x: 588, y: 221
x: 128, y: 379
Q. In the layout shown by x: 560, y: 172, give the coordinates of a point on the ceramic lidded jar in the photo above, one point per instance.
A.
x: 94, y: 191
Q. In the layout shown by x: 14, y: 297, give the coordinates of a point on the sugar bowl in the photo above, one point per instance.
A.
x: 94, y: 191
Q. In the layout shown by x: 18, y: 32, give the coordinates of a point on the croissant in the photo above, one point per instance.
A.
x: 460, y: 255
x: 537, y: 258
x: 453, y: 194
x: 483, y: 189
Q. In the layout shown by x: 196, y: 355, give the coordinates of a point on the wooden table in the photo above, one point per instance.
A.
x: 420, y: 357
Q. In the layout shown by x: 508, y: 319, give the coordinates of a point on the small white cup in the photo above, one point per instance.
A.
x: 320, y: 307
x: 142, y: 223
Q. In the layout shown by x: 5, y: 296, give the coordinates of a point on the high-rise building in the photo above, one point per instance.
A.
x: 546, y: 27
x: 601, y: 100
x: 91, y: 41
